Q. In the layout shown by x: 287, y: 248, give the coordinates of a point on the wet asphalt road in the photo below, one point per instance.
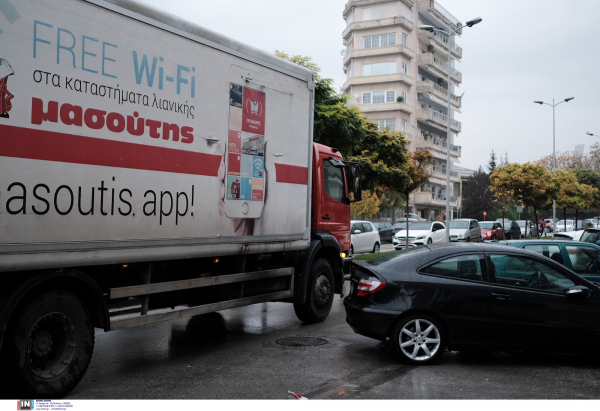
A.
x: 234, y: 355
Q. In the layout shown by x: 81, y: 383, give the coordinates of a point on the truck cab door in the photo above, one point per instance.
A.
x: 333, y: 215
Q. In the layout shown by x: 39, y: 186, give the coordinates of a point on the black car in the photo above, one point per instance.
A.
x: 512, y: 230
x: 466, y: 296
x: 386, y: 231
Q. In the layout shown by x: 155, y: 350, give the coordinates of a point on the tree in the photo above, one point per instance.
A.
x: 592, y: 178
x: 492, y: 164
x: 573, y: 194
x: 530, y: 184
x: 368, y: 206
x: 418, y: 171
x: 477, y: 196
x: 382, y: 153
x: 565, y: 160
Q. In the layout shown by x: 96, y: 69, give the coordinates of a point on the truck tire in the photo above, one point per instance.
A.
x: 319, y: 294
x: 48, y: 346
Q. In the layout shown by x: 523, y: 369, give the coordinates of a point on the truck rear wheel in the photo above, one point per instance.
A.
x: 319, y: 294
x: 48, y: 346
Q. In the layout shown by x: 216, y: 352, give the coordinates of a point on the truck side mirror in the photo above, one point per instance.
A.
x: 356, y: 177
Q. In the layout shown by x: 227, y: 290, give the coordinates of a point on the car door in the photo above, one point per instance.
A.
x: 461, y: 285
x: 584, y: 260
x: 530, y: 310
x: 357, y: 238
x: 372, y: 236
x: 439, y: 234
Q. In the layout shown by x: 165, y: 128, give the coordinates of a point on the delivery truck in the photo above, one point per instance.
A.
x: 151, y: 170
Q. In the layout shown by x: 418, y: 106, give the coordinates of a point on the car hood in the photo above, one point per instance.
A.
x: 458, y: 231
x: 412, y: 233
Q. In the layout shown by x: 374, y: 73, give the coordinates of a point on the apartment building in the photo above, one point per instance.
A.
x: 397, y: 75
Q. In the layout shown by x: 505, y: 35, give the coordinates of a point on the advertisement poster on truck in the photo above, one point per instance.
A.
x: 112, y: 135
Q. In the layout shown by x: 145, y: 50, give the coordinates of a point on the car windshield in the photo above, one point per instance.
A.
x: 590, y: 236
x: 459, y: 224
x: 521, y: 223
x: 419, y: 226
x: 395, y: 255
x: 486, y: 226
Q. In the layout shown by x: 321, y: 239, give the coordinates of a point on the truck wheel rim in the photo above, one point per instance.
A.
x: 51, y: 345
x: 419, y: 340
x: 322, y: 290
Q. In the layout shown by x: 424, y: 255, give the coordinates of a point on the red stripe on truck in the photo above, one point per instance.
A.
x: 67, y: 148
x: 291, y: 174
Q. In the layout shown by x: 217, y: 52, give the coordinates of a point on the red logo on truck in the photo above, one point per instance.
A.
x: 5, y: 95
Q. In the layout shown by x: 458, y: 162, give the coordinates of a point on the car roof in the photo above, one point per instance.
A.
x: 549, y: 242
x: 463, y: 219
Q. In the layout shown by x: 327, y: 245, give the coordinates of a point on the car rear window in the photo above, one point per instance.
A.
x: 396, y: 255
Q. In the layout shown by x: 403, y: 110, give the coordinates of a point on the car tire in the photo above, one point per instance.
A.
x: 319, y: 294
x: 48, y: 346
x: 418, y: 339
x: 493, y: 237
x: 468, y: 239
x: 429, y: 241
x: 376, y: 248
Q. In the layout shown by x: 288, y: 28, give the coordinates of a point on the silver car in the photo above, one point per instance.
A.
x: 532, y: 230
x: 465, y: 229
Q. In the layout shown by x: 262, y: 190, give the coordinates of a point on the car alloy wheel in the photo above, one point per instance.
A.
x: 429, y: 241
x: 376, y: 248
x: 418, y: 339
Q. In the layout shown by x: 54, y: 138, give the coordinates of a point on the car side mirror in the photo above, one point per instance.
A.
x: 578, y: 292
x: 357, y: 232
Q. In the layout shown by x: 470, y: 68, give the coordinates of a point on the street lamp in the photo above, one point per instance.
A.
x: 432, y: 29
x: 591, y: 134
x: 554, y: 145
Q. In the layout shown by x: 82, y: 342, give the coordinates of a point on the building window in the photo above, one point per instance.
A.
x: 379, y: 69
x: 378, y: 97
x: 388, y: 122
x: 349, y: 74
x: 348, y: 47
x: 350, y: 19
x: 404, y: 126
x: 366, y: 14
x: 381, y: 40
x: 406, y: 12
x: 404, y: 68
x: 405, y: 96
x: 405, y: 39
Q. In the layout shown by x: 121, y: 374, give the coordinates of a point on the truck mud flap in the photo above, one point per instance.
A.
x: 134, y: 314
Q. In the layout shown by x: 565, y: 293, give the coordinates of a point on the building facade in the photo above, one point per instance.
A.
x: 397, y: 75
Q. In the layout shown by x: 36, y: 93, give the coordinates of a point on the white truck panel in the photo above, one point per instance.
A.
x: 115, y: 105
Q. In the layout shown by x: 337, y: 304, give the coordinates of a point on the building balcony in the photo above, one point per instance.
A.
x: 385, y: 78
x: 433, y: 9
x: 437, y: 119
x: 362, y: 3
x: 438, y: 67
x: 436, y: 145
x: 440, y: 92
x: 372, y: 24
x: 442, y: 41
x: 379, y: 51
x: 430, y: 198
x: 373, y: 108
x: 440, y: 172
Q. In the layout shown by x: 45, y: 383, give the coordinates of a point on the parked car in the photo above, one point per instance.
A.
x: 511, y: 228
x: 491, y: 230
x: 591, y: 235
x: 365, y: 238
x: 583, y: 258
x: 399, y: 226
x: 411, y: 217
x: 571, y: 235
x: 550, y: 224
x: 591, y: 222
x: 386, y: 231
x: 565, y: 226
x: 465, y: 229
x: 472, y: 296
x: 532, y: 230
x: 419, y: 233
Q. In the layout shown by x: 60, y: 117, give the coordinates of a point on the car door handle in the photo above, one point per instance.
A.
x: 501, y: 296
x: 326, y: 217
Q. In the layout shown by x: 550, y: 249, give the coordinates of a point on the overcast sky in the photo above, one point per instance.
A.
x: 521, y: 52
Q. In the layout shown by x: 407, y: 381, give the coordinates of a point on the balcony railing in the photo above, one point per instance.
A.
x: 437, y: 119
x: 428, y: 59
x: 427, y: 197
x: 442, y: 170
x: 440, y: 12
x: 444, y: 38
x: 444, y: 118
x: 429, y: 86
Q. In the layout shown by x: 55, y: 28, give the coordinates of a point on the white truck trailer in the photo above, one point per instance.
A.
x: 125, y: 195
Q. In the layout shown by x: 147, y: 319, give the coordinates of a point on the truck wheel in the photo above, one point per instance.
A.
x: 319, y: 294
x: 48, y: 346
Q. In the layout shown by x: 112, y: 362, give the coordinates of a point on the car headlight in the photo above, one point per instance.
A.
x: 421, y: 237
x: 461, y: 236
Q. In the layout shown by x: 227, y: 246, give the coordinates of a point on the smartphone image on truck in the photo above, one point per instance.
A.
x: 245, y: 157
